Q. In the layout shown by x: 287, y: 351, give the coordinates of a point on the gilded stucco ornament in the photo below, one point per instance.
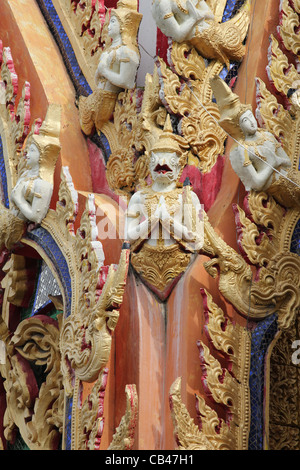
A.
x: 228, y: 387
x: 37, y: 409
x: 87, y: 333
x: 278, y: 112
x: 163, y: 219
x: 180, y: 87
x: 36, y: 412
x: 194, y: 21
x: 99, y: 288
x: 116, y: 69
x: 136, y: 132
x: 264, y: 277
x: 123, y: 439
x: 271, y: 288
x: 186, y: 94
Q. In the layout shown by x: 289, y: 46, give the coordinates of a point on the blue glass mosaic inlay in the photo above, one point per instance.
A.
x: 5, y: 200
x: 69, y: 52
x: 43, y: 238
x: 262, y: 337
x: 67, y: 46
x: 232, y: 6
x: 295, y: 243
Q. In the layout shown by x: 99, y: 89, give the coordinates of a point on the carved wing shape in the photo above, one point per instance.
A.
x: 113, y: 290
x: 241, y: 20
x: 186, y: 432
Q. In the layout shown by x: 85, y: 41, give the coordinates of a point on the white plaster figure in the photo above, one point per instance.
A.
x: 257, y: 147
x: 31, y: 195
x: 194, y: 21
x: 159, y: 215
x: 117, y: 67
x: 118, y: 63
x: 294, y: 94
x: 257, y: 157
x: 179, y: 21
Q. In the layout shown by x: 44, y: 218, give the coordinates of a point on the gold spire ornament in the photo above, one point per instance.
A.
x: 230, y: 107
x: 170, y: 142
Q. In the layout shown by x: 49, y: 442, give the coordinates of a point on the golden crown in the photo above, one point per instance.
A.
x: 130, y: 19
x: 168, y: 141
x: 47, y: 141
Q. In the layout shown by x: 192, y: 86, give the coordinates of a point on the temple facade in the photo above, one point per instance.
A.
x: 150, y: 225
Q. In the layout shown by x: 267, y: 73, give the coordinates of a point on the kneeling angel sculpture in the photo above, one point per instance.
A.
x: 117, y: 67
x: 257, y: 157
x: 30, y: 198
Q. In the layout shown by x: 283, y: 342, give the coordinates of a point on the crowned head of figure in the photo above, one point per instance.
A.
x: 43, y: 148
x: 235, y: 117
x: 168, y: 156
x: 129, y: 20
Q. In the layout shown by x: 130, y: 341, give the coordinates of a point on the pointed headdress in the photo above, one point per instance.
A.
x: 230, y: 107
x: 129, y: 19
x: 168, y: 141
x: 47, y: 142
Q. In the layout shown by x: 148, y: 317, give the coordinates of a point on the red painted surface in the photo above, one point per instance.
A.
x: 98, y: 173
x: 162, y: 45
x: 206, y: 186
x: 110, y: 3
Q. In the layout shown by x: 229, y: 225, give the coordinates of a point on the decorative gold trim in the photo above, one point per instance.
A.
x: 123, y: 438
x: 230, y: 389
